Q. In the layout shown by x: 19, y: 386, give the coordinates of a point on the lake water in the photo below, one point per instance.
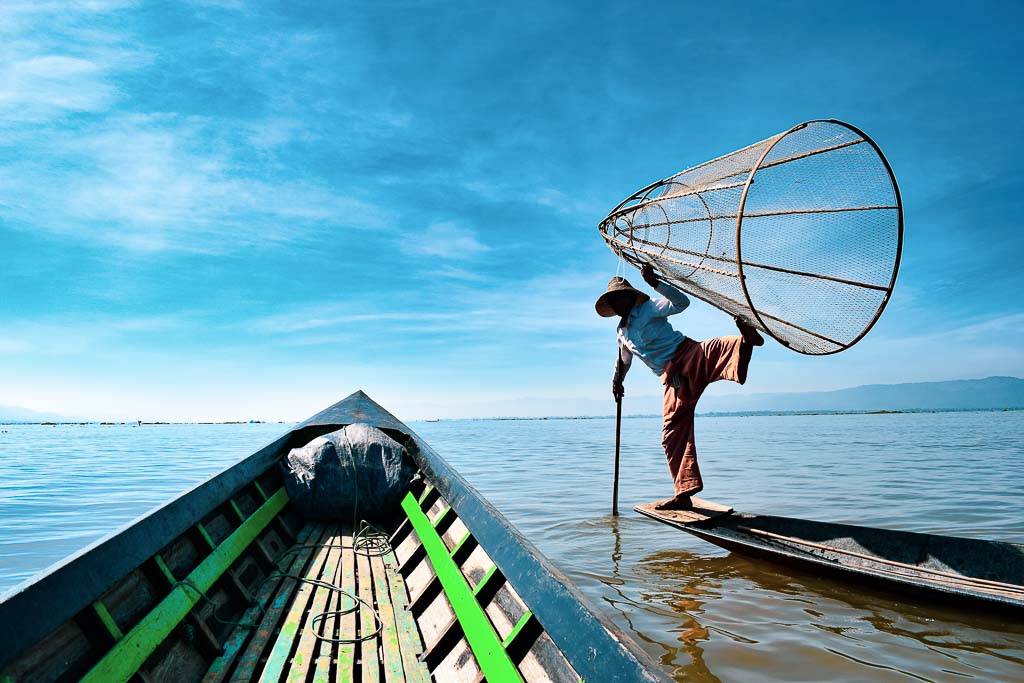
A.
x: 706, y: 614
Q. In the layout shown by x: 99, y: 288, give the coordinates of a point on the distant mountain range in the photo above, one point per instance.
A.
x: 991, y: 393
x: 963, y: 394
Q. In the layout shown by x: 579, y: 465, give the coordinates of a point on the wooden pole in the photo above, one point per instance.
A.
x: 618, y: 433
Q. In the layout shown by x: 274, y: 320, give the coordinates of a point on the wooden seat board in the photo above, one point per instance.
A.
x: 278, y: 604
x: 703, y: 510
x: 344, y: 653
x: 277, y: 662
x: 408, y: 634
x: 305, y: 652
x: 235, y: 644
x: 368, y: 652
x: 284, y: 645
x: 391, y: 653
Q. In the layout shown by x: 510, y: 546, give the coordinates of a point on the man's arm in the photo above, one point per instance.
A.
x: 674, y: 301
x: 622, y: 363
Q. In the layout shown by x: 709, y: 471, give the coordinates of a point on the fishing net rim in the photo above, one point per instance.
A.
x: 899, y: 237
x: 608, y: 230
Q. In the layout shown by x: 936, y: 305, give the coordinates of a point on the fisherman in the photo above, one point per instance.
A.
x: 686, y: 367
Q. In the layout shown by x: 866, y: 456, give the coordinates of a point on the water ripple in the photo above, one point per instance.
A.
x: 704, y: 613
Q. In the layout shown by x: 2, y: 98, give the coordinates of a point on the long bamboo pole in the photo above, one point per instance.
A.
x: 618, y: 435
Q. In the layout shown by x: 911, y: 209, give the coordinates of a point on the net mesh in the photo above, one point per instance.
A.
x: 808, y: 254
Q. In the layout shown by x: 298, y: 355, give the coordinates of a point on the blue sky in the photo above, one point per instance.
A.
x: 220, y: 210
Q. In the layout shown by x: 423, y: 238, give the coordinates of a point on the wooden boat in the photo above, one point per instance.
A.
x: 965, y: 571
x: 204, y: 588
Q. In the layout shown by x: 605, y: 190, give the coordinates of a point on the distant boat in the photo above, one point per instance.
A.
x: 951, y: 569
x: 436, y: 419
x: 204, y: 588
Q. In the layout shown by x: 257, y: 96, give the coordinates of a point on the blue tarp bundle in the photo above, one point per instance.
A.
x: 357, y: 472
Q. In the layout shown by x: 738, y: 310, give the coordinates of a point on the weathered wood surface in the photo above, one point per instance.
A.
x: 950, y: 569
x: 408, y: 634
x: 343, y: 627
x: 914, y: 571
x: 286, y: 645
x: 233, y: 647
x: 277, y: 661
x: 702, y: 511
x: 391, y: 651
x: 368, y: 650
x: 304, y: 658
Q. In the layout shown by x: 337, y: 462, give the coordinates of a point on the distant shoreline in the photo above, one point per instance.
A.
x: 139, y: 423
x: 756, y: 413
x: 752, y: 413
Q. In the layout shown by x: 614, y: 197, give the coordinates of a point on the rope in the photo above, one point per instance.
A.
x: 248, y: 626
x: 368, y: 541
x: 321, y: 616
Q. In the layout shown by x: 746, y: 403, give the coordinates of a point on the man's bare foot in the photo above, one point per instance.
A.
x: 675, y: 503
x: 750, y: 335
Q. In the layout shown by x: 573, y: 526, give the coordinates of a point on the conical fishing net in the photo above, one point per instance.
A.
x: 799, y: 234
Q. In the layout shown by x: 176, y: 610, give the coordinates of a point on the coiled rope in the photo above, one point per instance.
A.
x: 368, y: 541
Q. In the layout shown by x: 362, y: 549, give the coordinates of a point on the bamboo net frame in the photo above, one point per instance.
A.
x: 800, y: 234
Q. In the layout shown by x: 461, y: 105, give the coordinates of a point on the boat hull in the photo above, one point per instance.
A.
x: 229, y: 581
x: 946, y: 569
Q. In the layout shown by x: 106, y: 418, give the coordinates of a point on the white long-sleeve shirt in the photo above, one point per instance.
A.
x: 647, y: 333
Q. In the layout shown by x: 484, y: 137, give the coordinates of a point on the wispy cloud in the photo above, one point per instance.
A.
x: 40, y: 87
x: 450, y: 272
x: 568, y: 202
x: 331, y: 199
x: 153, y: 183
x: 147, y: 180
x: 445, y: 240
x: 333, y: 315
x: 549, y: 308
x: 1005, y: 330
x: 88, y: 335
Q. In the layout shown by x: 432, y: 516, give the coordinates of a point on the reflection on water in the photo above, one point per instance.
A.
x: 713, y: 616
x: 705, y: 614
x: 853, y: 627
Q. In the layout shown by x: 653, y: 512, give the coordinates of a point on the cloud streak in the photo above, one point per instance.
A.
x: 444, y: 240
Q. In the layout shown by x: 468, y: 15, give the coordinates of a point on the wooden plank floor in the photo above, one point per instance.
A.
x: 702, y: 511
x: 285, y: 646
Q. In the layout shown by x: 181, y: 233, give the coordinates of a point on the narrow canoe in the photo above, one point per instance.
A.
x: 949, y: 569
x: 229, y: 583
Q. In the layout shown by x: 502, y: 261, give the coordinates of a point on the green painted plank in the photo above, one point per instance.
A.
x: 107, y: 620
x: 165, y: 570
x: 240, y: 636
x: 368, y: 648
x: 408, y: 633
x: 458, y: 546
x: 125, y: 658
x: 440, y: 518
x: 267, y: 630
x: 206, y: 536
x: 343, y: 628
x: 494, y: 662
x: 238, y: 510
x: 489, y: 576
x: 277, y: 661
x: 523, y: 621
x: 391, y: 649
x: 305, y: 656
x: 426, y: 492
